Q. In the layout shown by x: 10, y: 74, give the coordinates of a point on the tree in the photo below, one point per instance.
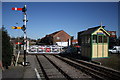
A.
x: 7, y: 49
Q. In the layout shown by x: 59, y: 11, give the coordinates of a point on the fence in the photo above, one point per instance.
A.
x: 44, y: 49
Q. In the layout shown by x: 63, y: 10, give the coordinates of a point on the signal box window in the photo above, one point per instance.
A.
x: 85, y: 39
x: 94, y: 38
x: 105, y: 39
x: 100, y: 39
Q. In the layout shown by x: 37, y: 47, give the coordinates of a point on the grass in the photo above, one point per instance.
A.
x: 113, y: 61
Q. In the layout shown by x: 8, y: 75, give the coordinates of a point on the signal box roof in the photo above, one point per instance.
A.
x: 89, y: 31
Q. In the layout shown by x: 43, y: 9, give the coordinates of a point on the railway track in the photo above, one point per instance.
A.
x: 106, y: 70
x: 47, y: 75
x: 59, y: 68
x: 96, y: 71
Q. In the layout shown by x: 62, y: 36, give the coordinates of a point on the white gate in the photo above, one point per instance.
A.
x: 45, y: 49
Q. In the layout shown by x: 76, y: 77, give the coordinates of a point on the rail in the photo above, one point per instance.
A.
x: 60, y: 70
x: 57, y: 67
x: 99, y: 74
x: 106, y: 70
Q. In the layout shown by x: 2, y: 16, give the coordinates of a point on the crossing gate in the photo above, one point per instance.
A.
x: 45, y: 49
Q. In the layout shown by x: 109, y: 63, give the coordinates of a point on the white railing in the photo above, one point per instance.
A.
x: 45, y: 49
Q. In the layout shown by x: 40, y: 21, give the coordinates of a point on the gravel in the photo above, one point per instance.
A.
x: 71, y: 71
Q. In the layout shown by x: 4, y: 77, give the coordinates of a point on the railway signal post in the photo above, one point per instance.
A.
x: 25, y: 35
x: 24, y: 9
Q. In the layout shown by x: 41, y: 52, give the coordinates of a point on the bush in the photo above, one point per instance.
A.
x: 7, y: 49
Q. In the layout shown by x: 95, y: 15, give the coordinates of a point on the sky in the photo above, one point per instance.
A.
x: 48, y: 17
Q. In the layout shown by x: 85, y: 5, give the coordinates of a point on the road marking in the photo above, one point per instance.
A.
x: 38, y: 76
